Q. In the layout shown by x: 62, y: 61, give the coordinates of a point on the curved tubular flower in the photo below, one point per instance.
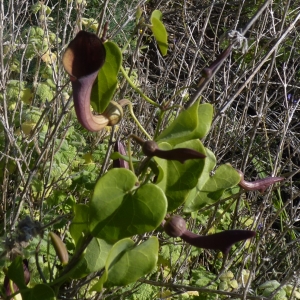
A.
x: 258, y: 185
x: 82, y: 60
x: 223, y: 241
x: 120, y: 163
x: 150, y: 149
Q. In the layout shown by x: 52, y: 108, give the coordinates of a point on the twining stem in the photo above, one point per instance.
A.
x: 160, y: 118
x: 256, y: 16
x: 137, y: 139
x: 207, y: 74
x: 210, y: 71
x: 137, y: 89
x: 136, y: 120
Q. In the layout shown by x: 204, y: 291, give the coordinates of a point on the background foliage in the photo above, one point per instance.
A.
x: 50, y: 163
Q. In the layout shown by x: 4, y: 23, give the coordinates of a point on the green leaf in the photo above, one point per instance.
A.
x: 94, y: 258
x: 177, y: 179
x: 126, y: 263
x: 192, y: 123
x: 80, y: 221
x: 271, y: 284
x: 16, y: 273
x: 38, y: 292
x: 16, y: 89
x: 36, y: 7
x: 156, y: 14
x: 159, y: 31
x: 201, y: 277
x: 211, y: 188
x: 119, y: 209
x: 44, y: 92
x: 106, y: 83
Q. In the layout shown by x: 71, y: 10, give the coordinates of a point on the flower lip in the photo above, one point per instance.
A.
x: 84, y: 55
x: 82, y: 60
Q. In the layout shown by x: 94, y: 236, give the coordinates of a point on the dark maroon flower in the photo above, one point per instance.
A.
x: 120, y: 163
x: 150, y: 149
x: 223, y: 241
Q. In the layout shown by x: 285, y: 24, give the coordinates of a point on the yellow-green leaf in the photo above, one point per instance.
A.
x: 159, y: 32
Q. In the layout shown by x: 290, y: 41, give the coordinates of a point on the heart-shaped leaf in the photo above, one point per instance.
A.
x: 119, y: 209
x: 126, y: 262
x: 210, y: 188
x: 159, y: 32
x: 93, y: 259
x: 177, y: 179
x: 192, y: 123
x: 80, y: 221
x: 106, y: 82
x: 38, y: 292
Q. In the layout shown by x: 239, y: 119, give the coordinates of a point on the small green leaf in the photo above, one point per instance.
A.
x: 126, y: 263
x: 192, y: 123
x: 80, y: 221
x: 268, y: 288
x: 44, y: 92
x: 200, y: 277
x: 106, y: 83
x: 160, y: 33
x: 234, y: 284
x: 36, y: 7
x: 177, y: 179
x: 16, y: 89
x: 211, y: 188
x: 93, y: 260
x: 119, y: 209
x: 271, y: 284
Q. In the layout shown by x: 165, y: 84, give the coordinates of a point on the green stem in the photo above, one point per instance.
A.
x: 129, y: 155
x: 158, y: 126
x: 137, y: 121
x: 137, y: 89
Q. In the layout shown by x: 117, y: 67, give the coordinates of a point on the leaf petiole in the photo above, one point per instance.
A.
x: 137, y: 89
